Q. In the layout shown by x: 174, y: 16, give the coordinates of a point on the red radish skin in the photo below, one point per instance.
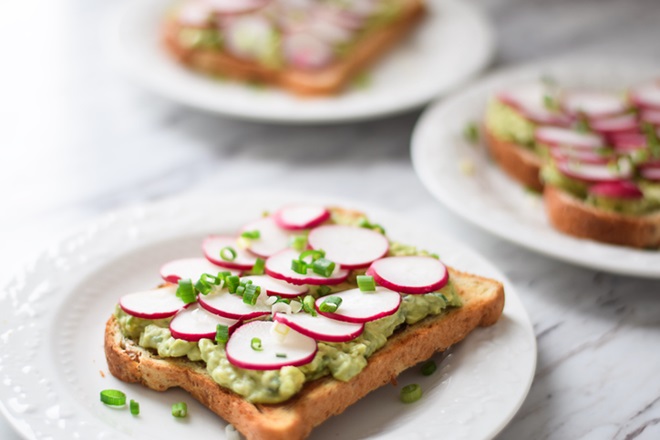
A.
x: 298, y: 217
x: 595, y: 173
x: 276, y: 287
x: 191, y: 268
x: 619, y: 124
x: 352, y: 247
x: 232, y: 306
x: 413, y: 275
x: 306, y: 51
x: 584, y: 156
x: 528, y: 100
x: 195, y: 323
x: 629, y: 142
x: 298, y: 348
x: 647, y: 95
x: 320, y: 327
x: 279, y: 267
x: 617, y: 190
x: 360, y: 307
x: 557, y: 136
x: 272, y: 239
x: 214, y: 243
x: 651, y: 173
x: 593, y: 104
x: 651, y: 116
x: 159, y: 303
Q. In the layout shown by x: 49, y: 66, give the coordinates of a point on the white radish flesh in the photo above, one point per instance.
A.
x: 272, y: 239
x: 593, y: 104
x: 232, y: 306
x: 293, y: 350
x: 568, y: 137
x: 319, y: 327
x: 629, y: 141
x: 279, y: 266
x: 647, y: 95
x: 616, y: 124
x: 573, y: 154
x: 195, y: 323
x: 651, y: 173
x: 212, y: 246
x: 352, y: 247
x: 359, y: 307
x: 191, y: 268
x: 413, y: 275
x: 529, y: 100
x: 596, y: 173
x: 298, y: 217
x: 305, y: 51
x: 152, y: 304
x: 276, y: 287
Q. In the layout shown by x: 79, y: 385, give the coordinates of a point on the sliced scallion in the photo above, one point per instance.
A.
x: 330, y: 304
x: 259, y: 267
x: 186, y: 291
x: 411, y: 393
x: 228, y: 253
x: 323, y: 290
x: 232, y: 282
x: 299, y: 267
x: 180, y: 409
x: 366, y: 283
x: 113, y: 397
x: 251, y: 294
x: 308, y: 305
x: 315, y: 254
x: 280, y: 355
x: 298, y: 242
x: 323, y: 267
x: 221, y: 334
x: 252, y: 235
x: 429, y: 368
x: 134, y: 407
x: 255, y: 344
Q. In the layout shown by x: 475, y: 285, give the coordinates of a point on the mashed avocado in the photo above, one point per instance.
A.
x: 508, y: 125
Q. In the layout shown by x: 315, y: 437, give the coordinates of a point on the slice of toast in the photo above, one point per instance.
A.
x: 574, y: 217
x: 483, y: 301
x: 329, y: 80
x: 520, y: 163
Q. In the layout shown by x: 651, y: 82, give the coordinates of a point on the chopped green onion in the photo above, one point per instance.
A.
x: 436, y: 256
x: 582, y: 125
x: 330, y: 304
x: 221, y: 334
x: 252, y: 235
x: 364, y: 223
x: 299, y: 267
x: 366, y: 283
x: 429, y: 368
x: 113, y: 397
x: 550, y: 103
x: 471, y: 132
x: 233, y: 282
x: 251, y: 294
x: 282, y: 300
x: 411, y: 393
x: 228, y: 253
x: 186, y: 291
x: 315, y: 254
x: 134, y: 407
x: 206, y: 283
x: 652, y: 139
x: 259, y: 267
x: 180, y: 409
x: 298, y: 242
x: 323, y: 267
x: 255, y: 343
x: 280, y: 355
x: 308, y: 305
x: 323, y: 290
x: 240, y: 290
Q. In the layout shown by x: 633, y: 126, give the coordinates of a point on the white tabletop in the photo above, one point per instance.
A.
x: 78, y: 141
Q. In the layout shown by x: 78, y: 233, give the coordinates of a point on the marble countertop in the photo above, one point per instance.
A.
x: 78, y: 140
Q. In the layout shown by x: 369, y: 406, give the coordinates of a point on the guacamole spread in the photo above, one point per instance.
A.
x: 506, y: 124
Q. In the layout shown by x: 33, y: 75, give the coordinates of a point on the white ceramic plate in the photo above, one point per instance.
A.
x: 454, y: 42
x: 496, y: 203
x: 52, y: 366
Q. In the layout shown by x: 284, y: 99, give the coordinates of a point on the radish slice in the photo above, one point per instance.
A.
x: 272, y: 239
x: 249, y: 37
x: 277, y: 287
x: 568, y: 137
x: 626, y: 142
x: 357, y: 306
x: 195, y: 323
x: 301, y: 217
x: 294, y: 350
x: 212, y: 246
x: 647, y: 95
x: 593, y: 104
x: 651, y: 173
x: 585, y: 156
x: 305, y: 51
x: 651, y: 116
x: 319, y: 327
x: 235, y: 6
x: 617, y: 190
x: 350, y: 246
x: 152, y: 304
x: 279, y: 266
x: 596, y: 173
x: 528, y: 99
x: 617, y: 124
x: 191, y: 268
x: 413, y: 275
x: 232, y: 306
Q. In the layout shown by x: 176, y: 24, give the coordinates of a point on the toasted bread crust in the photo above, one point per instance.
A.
x: 483, y: 303
x: 326, y: 81
x: 571, y: 216
x: 518, y: 162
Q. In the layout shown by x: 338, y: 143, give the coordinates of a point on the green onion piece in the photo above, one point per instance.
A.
x: 298, y: 242
x: 180, y: 409
x: 323, y: 267
x: 323, y: 290
x: 652, y: 139
x: 134, y: 407
x: 255, y: 343
x: 315, y: 254
x: 411, y: 393
x: 364, y: 223
x: 113, y: 397
x: 233, y: 281
x: 251, y: 294
x: 429, y: 368
x: 228, y: 253
x: 471, y: 132
x: 222, y: 276
x: 259, y: 267
x: 186, y: 291
x: 206, y: 283
x: 299, y: 266
x: 280, y: 355
x: 582, y: 125
x: 308, y: 305
x: 330, y: 304
x: 550, y: 103
x: 283, y: 300
x: 436, y: 256
x: 221, y: 334
x: 252, y: 235
x: 240, y: 290
x: 366, y: 283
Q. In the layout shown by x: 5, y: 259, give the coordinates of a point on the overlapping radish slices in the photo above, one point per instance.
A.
x: 270, y: 320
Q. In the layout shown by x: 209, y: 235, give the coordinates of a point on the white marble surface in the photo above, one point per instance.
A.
x: 78, y: 141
